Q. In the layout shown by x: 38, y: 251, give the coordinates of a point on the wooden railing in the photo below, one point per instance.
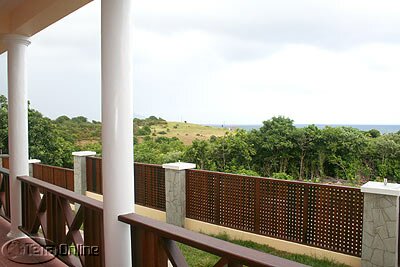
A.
x: 154, y: 242
x: 5, y: 194
x: 49, y: 211
x: 63, y: 177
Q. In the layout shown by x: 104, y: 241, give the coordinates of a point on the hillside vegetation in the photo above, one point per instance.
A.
x: 185, y: 132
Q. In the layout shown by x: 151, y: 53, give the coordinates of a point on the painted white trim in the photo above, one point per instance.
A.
x: 178, y: 166
x: 11, y: 39
x: 83, y: 153
x: 389, y: 189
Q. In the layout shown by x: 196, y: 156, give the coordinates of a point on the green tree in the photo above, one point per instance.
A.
x: 62, y: 119
x: 144, y: 130
x: 306, y: 143
x: 374, y: 133
x: 343, y: 147
x: 274, y: 144
x: 79, y: 119
x: 199, y: 153
x: 46, y: 142
x: 159, y: 150
x: 232, y: 151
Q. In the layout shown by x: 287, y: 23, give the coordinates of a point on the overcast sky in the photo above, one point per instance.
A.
x: 232, y: 62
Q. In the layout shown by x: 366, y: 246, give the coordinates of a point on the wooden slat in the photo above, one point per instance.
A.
x: 174, y: 253
x: 6, y: 162
x: 93, y: 235
x: 221, y: 263
x: 89, y: 174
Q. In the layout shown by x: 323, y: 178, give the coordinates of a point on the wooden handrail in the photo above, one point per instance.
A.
x: 65, y: 193
x: 226, y: 250
x: 5, y: 171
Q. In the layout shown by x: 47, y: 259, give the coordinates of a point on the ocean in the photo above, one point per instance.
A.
x: 382, y: 128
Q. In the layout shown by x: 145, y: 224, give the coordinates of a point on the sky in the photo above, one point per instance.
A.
x: 230, y: 62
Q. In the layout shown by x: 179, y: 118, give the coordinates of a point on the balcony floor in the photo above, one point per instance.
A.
x: 4, y: 261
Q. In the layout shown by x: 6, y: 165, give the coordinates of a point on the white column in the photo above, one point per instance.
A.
x: 117, y: 130
x: 17, y: 122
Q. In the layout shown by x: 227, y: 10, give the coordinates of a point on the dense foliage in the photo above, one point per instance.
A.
x: 277, y: 149
x: 280, y: 149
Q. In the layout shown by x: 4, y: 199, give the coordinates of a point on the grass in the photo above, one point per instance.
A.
x: 198, y: 258
x: 187, y: 132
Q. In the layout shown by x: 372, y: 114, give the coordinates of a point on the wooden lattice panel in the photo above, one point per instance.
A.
x: 335, y: 219
x: 201, y: 196
x: 150, y: 185
x: 324, y: 216
x: 281, y: 209
x: 237, y: 202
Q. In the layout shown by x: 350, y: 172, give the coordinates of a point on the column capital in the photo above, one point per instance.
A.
x: 83, y: 153
x: 178, y: 166
x: 33, y: 161
x: 381, y: 189
x: 10, y: 39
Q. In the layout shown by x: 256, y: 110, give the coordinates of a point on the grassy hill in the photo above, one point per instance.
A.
x: 186, y: 132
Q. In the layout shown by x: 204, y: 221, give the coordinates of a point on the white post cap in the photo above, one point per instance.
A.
x: 179, y: 166
x: 83, y: 153
x: 31, y: 161
x: 389, y: 189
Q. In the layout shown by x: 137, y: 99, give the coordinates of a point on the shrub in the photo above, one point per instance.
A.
x: 145, y: 130
x: 282, y: 176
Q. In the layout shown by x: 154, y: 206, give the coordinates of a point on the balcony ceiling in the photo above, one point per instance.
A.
x: 29, y: 17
